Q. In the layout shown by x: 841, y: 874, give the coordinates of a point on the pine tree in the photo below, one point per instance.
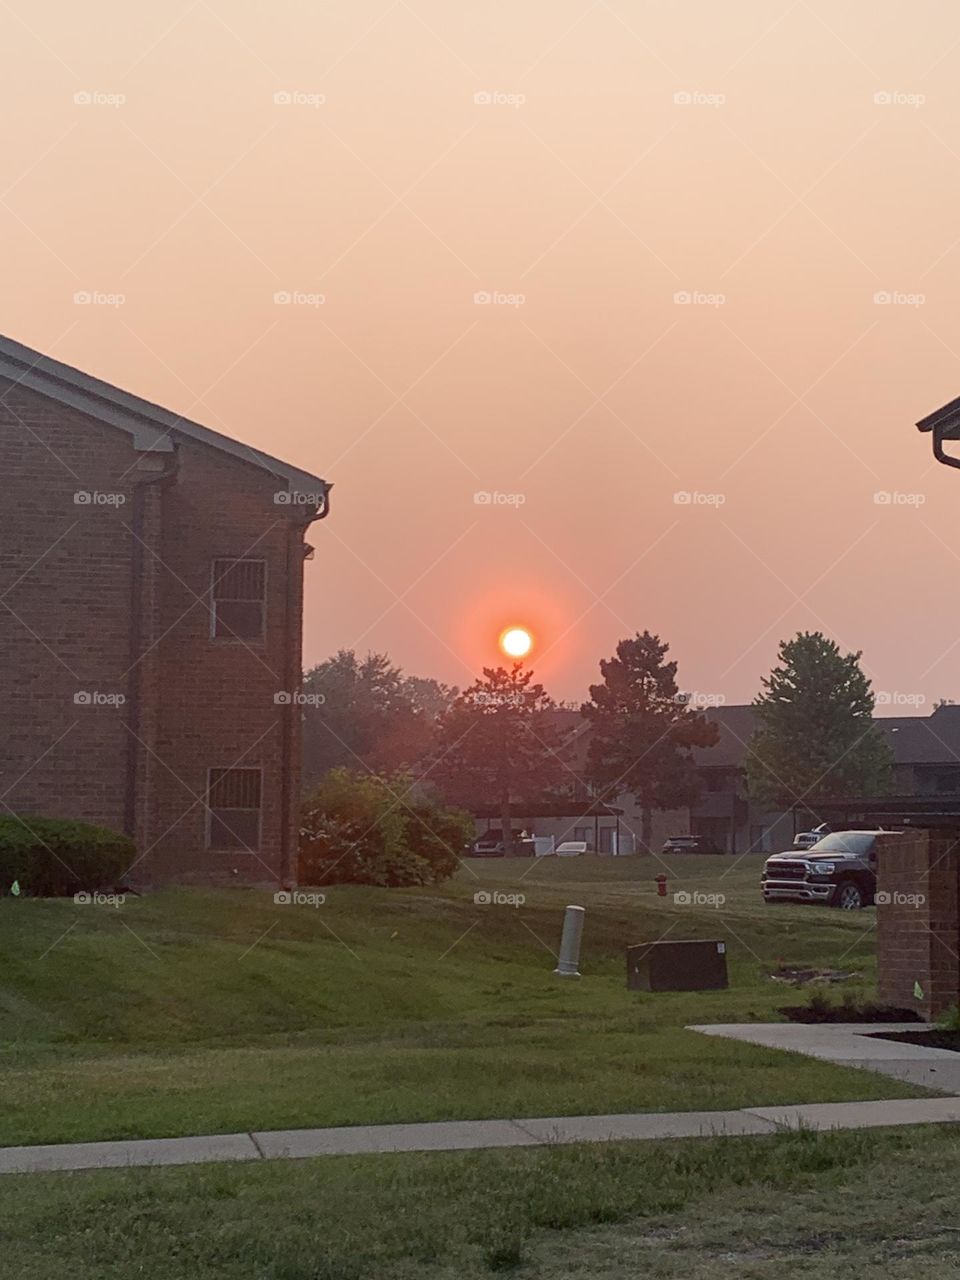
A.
x: 642, y: 731
x: 495, y: 744
x: 815, y: 737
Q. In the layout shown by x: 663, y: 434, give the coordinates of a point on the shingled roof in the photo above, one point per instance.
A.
x: 933, y: 739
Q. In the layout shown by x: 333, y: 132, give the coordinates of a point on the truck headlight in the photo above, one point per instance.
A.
x: 822, y: 868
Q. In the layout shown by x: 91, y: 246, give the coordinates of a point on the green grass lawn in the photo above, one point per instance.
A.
x: 876, y: 1205
x: 190, y: 1011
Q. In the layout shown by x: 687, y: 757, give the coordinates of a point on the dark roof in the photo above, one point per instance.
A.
x: 150, y: 425
x: 549, y: 809
x: 946, y: 418
x: 932, y: 739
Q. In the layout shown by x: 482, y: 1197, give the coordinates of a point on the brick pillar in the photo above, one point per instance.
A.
x: 918, y: 920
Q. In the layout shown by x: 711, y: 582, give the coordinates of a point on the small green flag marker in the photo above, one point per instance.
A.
x: 15, y: 888
x: 917, y: 991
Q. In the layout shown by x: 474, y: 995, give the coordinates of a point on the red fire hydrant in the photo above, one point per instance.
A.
x: 661, y: 886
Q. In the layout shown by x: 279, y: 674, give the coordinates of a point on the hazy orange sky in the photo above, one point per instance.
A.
x: 780, y: 164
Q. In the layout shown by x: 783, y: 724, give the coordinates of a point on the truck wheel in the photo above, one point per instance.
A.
x: 849, y: 896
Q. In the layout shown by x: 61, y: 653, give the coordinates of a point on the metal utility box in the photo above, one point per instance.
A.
x: 698, y: 965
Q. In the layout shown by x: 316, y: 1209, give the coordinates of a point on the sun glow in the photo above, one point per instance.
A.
x: 516, y: 642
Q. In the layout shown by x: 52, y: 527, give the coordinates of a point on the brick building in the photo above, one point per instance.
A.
x: 151, y: 576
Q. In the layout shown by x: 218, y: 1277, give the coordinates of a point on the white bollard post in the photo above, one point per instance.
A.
x: 569, y: 959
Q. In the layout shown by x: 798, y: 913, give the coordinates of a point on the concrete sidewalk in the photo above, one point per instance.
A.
x: 464, y: 1135
x: 853, y: 1044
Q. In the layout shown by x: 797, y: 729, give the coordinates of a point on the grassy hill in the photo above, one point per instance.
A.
x: 187, y: 1011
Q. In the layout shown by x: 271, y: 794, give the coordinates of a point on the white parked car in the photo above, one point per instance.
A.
x: 571, y: 848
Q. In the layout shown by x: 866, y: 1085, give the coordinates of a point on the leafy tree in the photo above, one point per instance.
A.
x: 496, y: 743
x: 642, y: 732
x: 374, y: 829
x: 815, y: 736
x: 365, y: 713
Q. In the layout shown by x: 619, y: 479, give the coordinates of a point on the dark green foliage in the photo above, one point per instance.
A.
x: 370, y: 829
x: 366, y: 713
x: 496, y: 745
x: 642, y: 731
x: 53, y: 858
x: 815, y: 737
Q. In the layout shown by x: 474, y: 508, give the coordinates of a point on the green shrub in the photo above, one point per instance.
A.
x: 371, y: 829
x: 53, y: 858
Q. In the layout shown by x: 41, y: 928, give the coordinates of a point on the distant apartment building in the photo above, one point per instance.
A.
x: 926, y: 753
x: 151, y: 587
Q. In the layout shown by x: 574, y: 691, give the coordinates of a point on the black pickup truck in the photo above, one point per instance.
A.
x: 838, y: 871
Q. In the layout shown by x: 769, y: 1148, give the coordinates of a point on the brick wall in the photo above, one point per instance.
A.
x: 68, y: 570
x: 218, y: 707
x: 65, y: 591
x: 918, y: 921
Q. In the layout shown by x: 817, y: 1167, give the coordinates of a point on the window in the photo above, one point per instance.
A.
x: 238, y: 599
x: 583, y: 833
x: 233, y: 809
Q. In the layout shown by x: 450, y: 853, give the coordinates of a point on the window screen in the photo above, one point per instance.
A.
x: 233, y: 800
x: 238, y: 599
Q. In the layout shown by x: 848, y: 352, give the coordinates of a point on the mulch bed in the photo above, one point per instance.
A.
x: 933, y: 1039
x: 813, y: 1013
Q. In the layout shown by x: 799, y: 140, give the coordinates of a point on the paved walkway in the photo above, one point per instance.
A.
x: 464, y: 1135
x: 852, y: 1044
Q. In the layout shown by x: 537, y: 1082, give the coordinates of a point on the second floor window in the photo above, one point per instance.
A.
x: 238, y: 599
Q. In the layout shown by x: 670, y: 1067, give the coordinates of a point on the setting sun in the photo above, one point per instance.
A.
x: 516, y: 642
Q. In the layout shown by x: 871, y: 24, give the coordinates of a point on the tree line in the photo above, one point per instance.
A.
x: 426, y: 755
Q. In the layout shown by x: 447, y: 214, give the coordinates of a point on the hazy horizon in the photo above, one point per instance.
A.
x: 789, y: 171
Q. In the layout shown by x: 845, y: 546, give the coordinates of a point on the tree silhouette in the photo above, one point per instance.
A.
x: 495, y: 743
x: 642, y: 732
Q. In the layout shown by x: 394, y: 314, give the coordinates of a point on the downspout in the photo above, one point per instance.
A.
x: 134, y: 673
x: 290, y: 712
x: 938, y: 450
